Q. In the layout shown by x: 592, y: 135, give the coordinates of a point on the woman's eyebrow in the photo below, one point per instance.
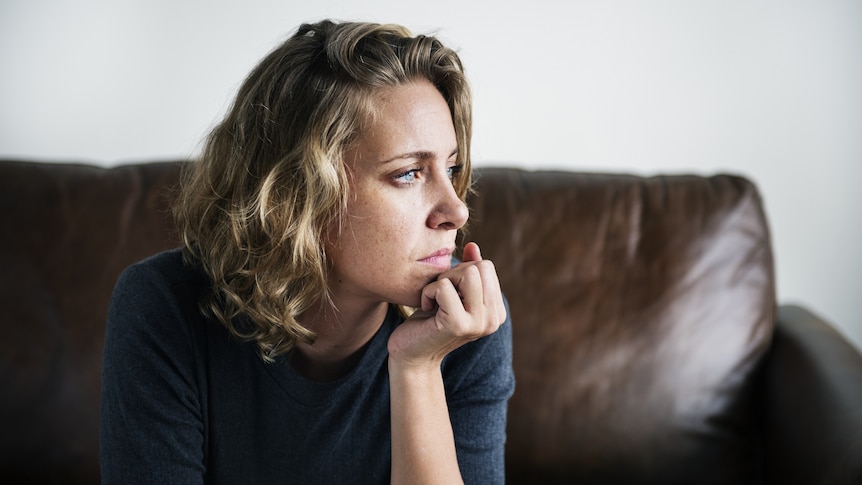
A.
x: 420, y: 155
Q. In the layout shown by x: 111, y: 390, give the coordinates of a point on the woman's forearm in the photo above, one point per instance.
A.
x: 423, y: 444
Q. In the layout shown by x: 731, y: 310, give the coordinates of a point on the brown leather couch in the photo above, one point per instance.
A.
x: 648, y: 347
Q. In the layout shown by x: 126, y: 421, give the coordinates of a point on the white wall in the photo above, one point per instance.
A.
x: 770, y: 89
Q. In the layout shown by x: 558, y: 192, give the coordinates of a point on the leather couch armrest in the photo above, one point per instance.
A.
x: 813, y: 414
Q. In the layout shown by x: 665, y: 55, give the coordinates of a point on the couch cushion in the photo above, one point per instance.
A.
x: 641, y: 308
x: 68, y: 231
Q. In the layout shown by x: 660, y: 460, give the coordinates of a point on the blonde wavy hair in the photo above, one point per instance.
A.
x: 255, y: 209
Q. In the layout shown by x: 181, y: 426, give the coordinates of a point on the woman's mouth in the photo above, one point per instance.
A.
x: 440, y: 259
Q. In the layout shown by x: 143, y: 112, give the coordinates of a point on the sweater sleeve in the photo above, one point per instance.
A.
x: 479, y: 382
x: 152, y: 422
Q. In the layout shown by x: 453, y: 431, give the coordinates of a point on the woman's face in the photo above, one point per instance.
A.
x: 403, y: 213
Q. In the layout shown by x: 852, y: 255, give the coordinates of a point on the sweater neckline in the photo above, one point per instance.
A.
x: 313, y: 393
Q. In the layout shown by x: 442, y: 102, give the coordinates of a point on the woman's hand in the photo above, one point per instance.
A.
x: 464, y: 303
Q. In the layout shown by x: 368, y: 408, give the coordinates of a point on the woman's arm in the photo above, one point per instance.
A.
x: 463, y: 305
x: 151, y: 429
x: 423, y: 445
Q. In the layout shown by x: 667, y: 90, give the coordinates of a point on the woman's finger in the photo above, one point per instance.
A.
x: 468, y: 281
x: 471, y: 253
x: 493, y: 295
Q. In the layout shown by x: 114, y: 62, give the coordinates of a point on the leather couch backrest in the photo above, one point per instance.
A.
x: 68, y: 232
x: 641, y: 308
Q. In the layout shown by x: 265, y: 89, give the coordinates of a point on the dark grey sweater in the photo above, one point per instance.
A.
x: 184, y: 402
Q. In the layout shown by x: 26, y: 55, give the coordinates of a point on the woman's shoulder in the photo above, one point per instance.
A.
x: 156, y: 305
x: 163, y: 282
x: 171, y: 262
x: 169, y: 268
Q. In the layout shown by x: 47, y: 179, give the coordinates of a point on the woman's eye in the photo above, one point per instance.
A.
x: 453, y: 171
x: 408, y: 177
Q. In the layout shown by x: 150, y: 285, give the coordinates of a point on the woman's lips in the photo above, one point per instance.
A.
x: 440, y: 259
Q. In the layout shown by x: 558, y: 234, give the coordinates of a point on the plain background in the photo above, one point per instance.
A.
x: 768, y: 89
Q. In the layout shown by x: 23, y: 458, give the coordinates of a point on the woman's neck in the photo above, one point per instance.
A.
x: 342, y: 336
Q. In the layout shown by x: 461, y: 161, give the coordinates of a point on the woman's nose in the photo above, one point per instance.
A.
x: 449, y: 211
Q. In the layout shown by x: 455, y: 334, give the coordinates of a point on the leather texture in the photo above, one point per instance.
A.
x: 68, y: 232
x: 646, y: 343
x: 810, y: 369
x: 641, y: 308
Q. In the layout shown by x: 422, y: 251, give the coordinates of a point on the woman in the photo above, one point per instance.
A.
x: 274, y: 347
